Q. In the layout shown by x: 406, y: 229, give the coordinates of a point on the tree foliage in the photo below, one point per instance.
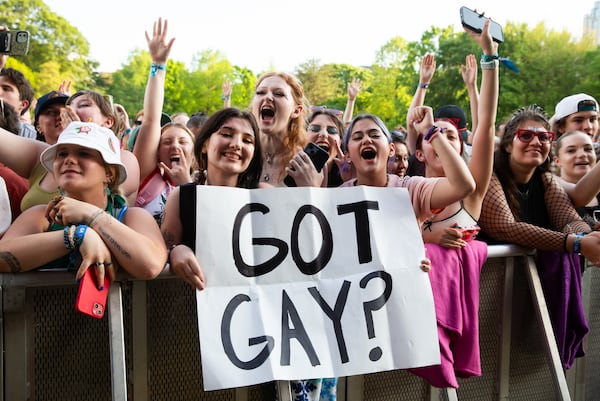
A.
x: 551, y: 65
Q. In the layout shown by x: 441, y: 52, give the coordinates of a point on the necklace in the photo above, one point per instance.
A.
x: 269, y: 160
x: 523, y: 190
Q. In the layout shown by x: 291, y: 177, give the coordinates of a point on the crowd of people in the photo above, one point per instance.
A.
x: 90, y: 189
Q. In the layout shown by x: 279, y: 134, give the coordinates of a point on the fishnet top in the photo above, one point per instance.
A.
x: 499, y: 223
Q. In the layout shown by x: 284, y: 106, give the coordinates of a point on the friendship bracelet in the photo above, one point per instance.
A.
x: 486, y: 58
x: 155, y: 67
x: 423, y: 85
x: 225, y: 97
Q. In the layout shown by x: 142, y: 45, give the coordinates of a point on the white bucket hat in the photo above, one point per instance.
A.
x: 92, y: 136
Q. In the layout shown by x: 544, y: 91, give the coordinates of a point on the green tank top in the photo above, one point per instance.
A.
x: 36, y: 195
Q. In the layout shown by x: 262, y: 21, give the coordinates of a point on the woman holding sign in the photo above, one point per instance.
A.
x: 228, y: 153
x: 369, y: 146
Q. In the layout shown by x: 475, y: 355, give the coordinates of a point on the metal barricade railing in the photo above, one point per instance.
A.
x: 147, y: 347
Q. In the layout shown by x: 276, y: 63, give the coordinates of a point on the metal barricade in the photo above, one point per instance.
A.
x: 147, y: 347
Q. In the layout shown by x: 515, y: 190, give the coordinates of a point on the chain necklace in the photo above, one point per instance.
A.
x: 269, y: 160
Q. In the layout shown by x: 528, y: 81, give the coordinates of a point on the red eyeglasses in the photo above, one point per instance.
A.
x: 527, y: 135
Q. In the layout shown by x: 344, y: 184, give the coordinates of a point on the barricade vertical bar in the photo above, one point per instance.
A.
x: 140, y: 334
x: 117, y: 343
x: 539, y: 303
x: 505, y: 333
x: 284, y: 393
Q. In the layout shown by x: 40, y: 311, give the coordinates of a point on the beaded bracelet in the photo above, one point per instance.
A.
x: 66, y: 238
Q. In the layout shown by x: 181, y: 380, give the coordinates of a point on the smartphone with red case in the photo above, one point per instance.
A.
x: 91, y: 300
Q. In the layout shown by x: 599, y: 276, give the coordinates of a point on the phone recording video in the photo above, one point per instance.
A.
x: 474, y: 21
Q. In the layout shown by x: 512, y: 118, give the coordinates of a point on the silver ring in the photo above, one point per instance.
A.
x: 58, y: 216
x: 98, y: 264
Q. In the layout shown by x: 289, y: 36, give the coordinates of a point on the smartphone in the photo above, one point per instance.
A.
x: 474, y: 21
x: 14, y: 43
x: 318, y: 156
x: 91, y: 300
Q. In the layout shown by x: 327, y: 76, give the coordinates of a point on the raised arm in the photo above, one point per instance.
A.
x: 425, y: 75
x: 469, y: 76
x: 482, y: 159
x: 148, y: 137
x: 586, y: 188
x: 458, y: 181
x: 354, y: 88
x: 20, y: 154
x: 227, y: 88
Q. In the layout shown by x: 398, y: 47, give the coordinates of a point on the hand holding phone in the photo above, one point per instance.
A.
x: 91, y: 300
x: 14, y: 43
x: 317, y: 155
x: 475, y: 21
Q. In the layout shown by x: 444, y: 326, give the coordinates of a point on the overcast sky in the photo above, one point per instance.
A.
x: 281, y: 34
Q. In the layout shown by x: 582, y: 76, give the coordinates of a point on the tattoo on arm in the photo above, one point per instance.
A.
x: 114, y: 243
x: 11, y: 261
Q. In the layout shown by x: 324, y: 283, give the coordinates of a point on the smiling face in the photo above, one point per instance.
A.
x: 175, y: 144
x: 576, y: 156
x: 78, y: 169
x: 527, y: 156
x: 368, y: 149
x: 323, y: 131
x: 274, y: 105
x: 229, y: 150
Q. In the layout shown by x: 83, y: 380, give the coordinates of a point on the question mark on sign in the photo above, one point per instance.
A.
x: 375, y: 304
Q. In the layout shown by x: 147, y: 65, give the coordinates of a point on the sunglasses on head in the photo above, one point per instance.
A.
x: 318, y: 128
x: 335, y: 112
x: 527, y: 135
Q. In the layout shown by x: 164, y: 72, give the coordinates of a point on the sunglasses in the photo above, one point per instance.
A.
x: 318, y: 128
x: 527, y: 135
x: 335, y: 112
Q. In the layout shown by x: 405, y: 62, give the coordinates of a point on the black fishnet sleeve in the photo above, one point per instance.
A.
x: 563, y: 215
x: 498, y: 222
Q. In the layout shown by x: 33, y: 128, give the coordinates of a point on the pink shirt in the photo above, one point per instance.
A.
x: 419, y: 191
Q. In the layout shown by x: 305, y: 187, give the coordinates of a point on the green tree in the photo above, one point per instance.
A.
x: 53, y: 39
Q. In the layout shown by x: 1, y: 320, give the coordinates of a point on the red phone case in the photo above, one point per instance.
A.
x: 91, y: 300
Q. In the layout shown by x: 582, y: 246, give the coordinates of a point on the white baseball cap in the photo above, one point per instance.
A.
x: 574, y: 104
x: 92, y: 136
